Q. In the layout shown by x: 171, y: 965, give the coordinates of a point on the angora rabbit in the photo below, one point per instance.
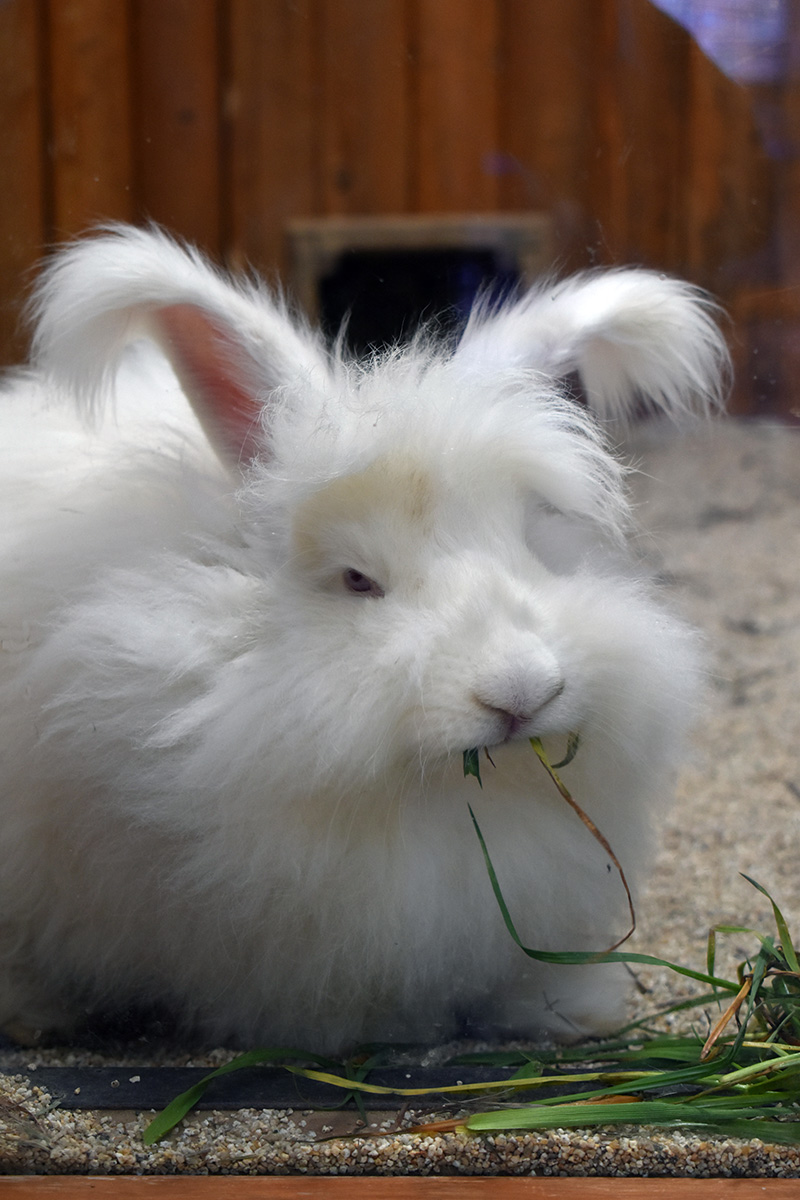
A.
x: 253, y: 614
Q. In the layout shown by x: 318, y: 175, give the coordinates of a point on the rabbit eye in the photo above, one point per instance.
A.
x: 360, y: 585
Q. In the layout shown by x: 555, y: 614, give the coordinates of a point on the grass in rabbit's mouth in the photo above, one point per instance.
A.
x: 472, y: 767
x: 741, y: 1080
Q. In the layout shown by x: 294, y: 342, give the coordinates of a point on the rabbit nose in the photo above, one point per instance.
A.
x: 518, y: 709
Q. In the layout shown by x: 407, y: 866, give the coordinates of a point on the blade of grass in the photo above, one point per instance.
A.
x: 472, y: 764
x: 789, y: 1062
x: 711, y: 950
x: 573, y: 742
x: 577, y: 957
x: 759, y: 971
x: 733, y: 1121
x: 626, y: 1078
x: 564, y: 791
x: 783, y: 931
x: 177, y: 1109
x: 722, y: 1024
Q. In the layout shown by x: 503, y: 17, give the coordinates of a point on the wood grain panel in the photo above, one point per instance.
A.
x: 545, y: 100
x: 607, y: 178
x: 457, y: 44
x: 783, y: 102
x: 270, y: 106
x: 91, y: 113
x: 729, y: 180
x: 786, y: 103
x: 651, y: 79
x: 637, y: 173
x: 22, y: 211
x: 176, y: 66
x: 364, y: 106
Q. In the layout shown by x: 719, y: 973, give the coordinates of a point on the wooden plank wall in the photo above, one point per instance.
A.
x: 223, y: 119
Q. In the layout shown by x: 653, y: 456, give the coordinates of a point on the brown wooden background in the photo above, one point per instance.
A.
x: 223, y: 119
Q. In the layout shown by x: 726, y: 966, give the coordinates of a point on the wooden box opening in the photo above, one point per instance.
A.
x: 385, y: 275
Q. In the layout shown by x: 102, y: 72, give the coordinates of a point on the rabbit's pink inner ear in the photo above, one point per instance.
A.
x: 218, y: 377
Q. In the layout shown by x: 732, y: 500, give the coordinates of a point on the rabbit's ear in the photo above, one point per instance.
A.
x: 217, y: 377
x: 230, y: 345
x: 633, y: 336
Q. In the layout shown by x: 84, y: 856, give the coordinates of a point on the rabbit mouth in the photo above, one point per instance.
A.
x: 517, y: 728
x: 516, y: 724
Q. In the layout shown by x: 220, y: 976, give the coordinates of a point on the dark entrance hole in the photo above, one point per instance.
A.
x: 384, y: 295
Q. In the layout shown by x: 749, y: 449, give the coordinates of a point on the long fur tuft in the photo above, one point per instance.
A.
x: 100, y: 294
x: 633, y: 336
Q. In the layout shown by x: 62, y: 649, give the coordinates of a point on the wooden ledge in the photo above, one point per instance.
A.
x: 232, y: 1187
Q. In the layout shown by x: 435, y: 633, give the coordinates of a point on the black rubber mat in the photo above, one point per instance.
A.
x: 251, y: 1087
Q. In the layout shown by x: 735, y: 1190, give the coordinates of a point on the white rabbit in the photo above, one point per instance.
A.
x: 252, y: 616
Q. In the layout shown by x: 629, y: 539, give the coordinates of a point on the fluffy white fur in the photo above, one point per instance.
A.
x: 233, y: 784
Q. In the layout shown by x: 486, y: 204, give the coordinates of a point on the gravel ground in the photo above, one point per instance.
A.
x: 723, y: 519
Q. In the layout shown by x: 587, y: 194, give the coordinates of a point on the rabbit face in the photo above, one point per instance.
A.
x: 415, y: 554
